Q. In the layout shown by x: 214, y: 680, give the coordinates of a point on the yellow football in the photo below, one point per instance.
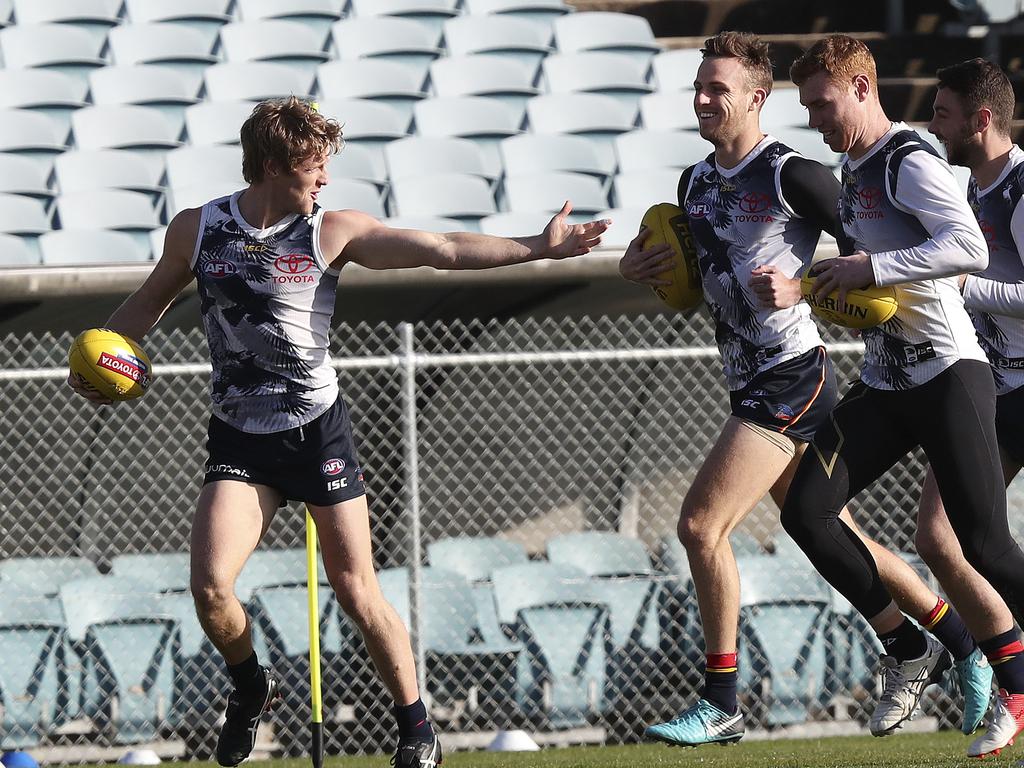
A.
x: 668, y: 224
x: 112, y: 363
x: 864, y: 307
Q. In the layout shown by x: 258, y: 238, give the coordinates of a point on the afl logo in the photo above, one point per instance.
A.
x: 755, y: 202
x: 870, y: 197
x: 293, y: 263
x: 217, y: 268
x: 699, y: 210
x: 333, y: 467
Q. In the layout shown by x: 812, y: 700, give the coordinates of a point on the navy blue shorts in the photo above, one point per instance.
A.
x: 793, y: 398
x: 1010, y: 423
x: 315, y: 463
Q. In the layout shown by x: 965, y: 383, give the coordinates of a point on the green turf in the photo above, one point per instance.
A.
x: 939, y: 750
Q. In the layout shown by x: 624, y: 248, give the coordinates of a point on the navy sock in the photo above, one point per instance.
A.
x: 720, y: 675
x: 248, y: 676
x: 412, y: 721
x: 1006, y: 655
x: 905, y: 642
x: 949, y: 629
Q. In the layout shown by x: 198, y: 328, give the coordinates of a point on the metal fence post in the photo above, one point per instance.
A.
x: 412, y: 496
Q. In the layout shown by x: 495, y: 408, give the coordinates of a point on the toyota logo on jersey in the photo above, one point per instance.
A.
x: 293, y: 263
x: 333, y: 467
x: 755, y: 202
x: 870, y: 197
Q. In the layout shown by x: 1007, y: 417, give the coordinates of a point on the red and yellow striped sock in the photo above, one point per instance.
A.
x: 720, y: 675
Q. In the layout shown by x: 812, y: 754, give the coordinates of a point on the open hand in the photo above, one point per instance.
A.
x: 562, y: 240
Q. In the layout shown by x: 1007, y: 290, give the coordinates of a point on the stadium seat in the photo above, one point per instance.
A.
x: 548, y: 191
x: 539, y: 11
x: 611, y: 74
x: 318, y: 15
x: 93, y: 16
x: 194, y: 165
x: 60, y: 47
x: 422, y: 155
x: 430, y: 13
x: 644, y: 188
x: 42, y: 575
x: 520, y: 40
x: 600, y: 553
x: 143, y: 130
x: 15, y: 252
x: 125, y: 643
x: 496, y: 77
x: 538, y: 152
x: 367, y: 124
x: 180, y: 49
x: 6, y: 9
x: 156, y: 241
x: 624, y: 227
x: 203, y: 16
x: 22, y: 215
x: 22, y: 176
x: 255, y: 81
x: 164, y: 571
x: 514, y: 223
x: 595, y: 116
x: 402, y: 40
x: 676, y: 70
x: 33, y: 677
x: 33, y: 135
x: 283, y: 42
x: 782, y: 109
x: 45, y: 91
x: 356, y: 162
x: 566, y: 636
x: 668, y: 111
x: 787, y: 649
x: 623, y: 33
x: 216, y: 122
x: 363, y: 196
x: 69, y: 247
x: 145, y: 85
x: 425, y: 223
x: 485, y: 121
x: 388, y: 82
x: 644, y: 149
x: 452, y: 195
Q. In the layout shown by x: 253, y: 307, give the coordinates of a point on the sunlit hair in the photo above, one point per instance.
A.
x: 840, y: 57
x: 980, y: 83
x: 749, y: 49
x: 283, y: 134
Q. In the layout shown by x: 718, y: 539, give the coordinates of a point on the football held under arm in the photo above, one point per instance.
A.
x: 927, y: 189
x: 995, y: 296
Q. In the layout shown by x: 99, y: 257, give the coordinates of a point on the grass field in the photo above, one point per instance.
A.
x: 933, y: 750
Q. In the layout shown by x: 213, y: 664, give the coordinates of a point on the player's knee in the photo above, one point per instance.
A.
x: 795, y: 516
x: 210, y: 595
x: 357, y: 595
x: 696, y: 532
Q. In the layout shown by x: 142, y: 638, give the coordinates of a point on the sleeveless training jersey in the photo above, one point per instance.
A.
x: 901, y: 204
x: 740, y: 220
x: 267, y: 298
x: 993, y: 295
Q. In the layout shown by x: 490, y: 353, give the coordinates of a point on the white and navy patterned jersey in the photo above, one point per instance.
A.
x: 740, y: 220
x: 995, y: 297
x: 901, y: 204
x: 267, y: 299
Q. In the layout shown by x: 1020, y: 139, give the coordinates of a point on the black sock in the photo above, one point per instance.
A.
x: 412, y: 721
x: 1006, y: 655
x: 248, y: 676
x: 720, y: 676
x: 949, y: 629
x: 905, y: 642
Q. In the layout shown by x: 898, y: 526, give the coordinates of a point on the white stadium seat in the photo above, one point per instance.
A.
x: 644, y: 188
x: 68, y: 247
x: 117, y: 209
x: 352, y: 193
x: 605, y: 31
x: 156, y: 241
x: 423, y: 155
x: 318, y: 15
x: 426, y: 223
x: 93, y: 16
x: 23, y: 176
x: 643, y: 149
x: 143, y: 130
x: 430, y: 13
x: 400, y: 39
x: 283, y: 42
x: 496, y: 77
x: 523, y: 41
x: 216, y: 122
x: 541, y: 11
x: 193, y: 165
x: 549, y: 191
x: 515, y: 223
x: 782, y: 109
x: 15, y: 252
x: 177, y: 48
x: 676, y: 70
x: 85, y: 169
x: 388, y: 82
x: 55, y: 46
x: 611, y: 74
x: 450, y: 195
x: 668, y: 111
x: 31, y: 134
x: 486, y: 121
x: 255, y: 81
x: 146, y: 85
x: 624, y: 227
x: 357, y: 162
x: 596, y: 116
x: 195, y: 195
x: 203, y: 16
x: 367, y: 124
x: 22, y: 215
x: 45, y: 91
x: 539, y: 152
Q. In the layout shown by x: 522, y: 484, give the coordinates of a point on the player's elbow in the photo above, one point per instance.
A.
x: 972, y: 244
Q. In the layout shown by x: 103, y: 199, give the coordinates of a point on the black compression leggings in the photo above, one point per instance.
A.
x: 952, y: 418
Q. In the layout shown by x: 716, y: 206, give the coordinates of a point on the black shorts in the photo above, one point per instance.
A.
x: 793, y: 398
x: 315, y: 463
x: 1010, y: 423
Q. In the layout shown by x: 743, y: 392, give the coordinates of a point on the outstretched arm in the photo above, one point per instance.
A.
x: 359, y: 238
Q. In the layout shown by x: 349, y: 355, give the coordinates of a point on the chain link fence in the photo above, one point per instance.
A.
x: 524, y: 480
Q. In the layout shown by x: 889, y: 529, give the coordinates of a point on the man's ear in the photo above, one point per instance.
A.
x: 861, y: 86
x: 982, y: 120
